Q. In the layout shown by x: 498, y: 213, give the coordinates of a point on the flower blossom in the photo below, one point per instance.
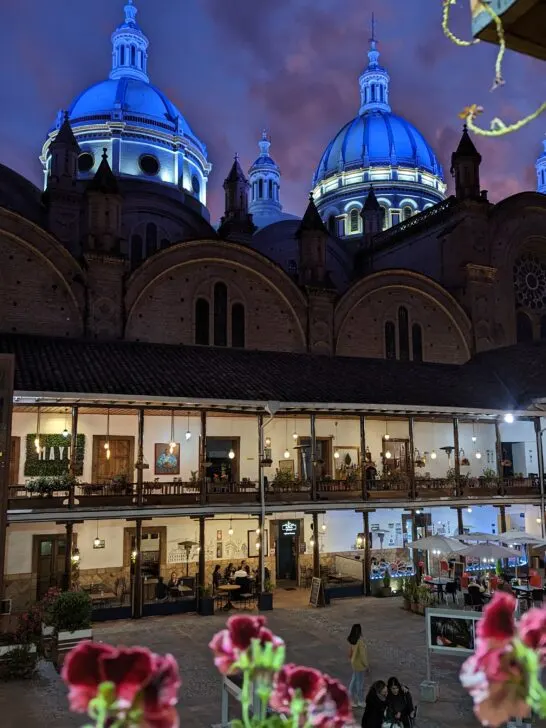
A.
x: 140, y: 680
x: 334, y: 709
x: 230, y: 644
x: 532, y: 632
x: 294, y: 681
x: 498, y: 623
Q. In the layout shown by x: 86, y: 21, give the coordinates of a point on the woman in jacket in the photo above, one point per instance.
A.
x: 376, y: 703
x: 359, y: 662
x: 399, y: 703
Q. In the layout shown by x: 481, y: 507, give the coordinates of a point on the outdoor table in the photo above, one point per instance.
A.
x: 228, y: 588
x: 524, y: 591
x: 439, y: 583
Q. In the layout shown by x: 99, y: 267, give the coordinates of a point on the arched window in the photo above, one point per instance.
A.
x: 270, y: 189
x: 260, y: 188
x: 407, y: 212
x: 220, y: 314
x: 385, y: 214
x: 332, y: 225
x: 238, y: 325
x: 151, y: 239
x: 353, y: 221
x: 202, y: 322
x: 543, y: 327
x: 136, y: 250
x: 403, y: 334
x: 524, y: 328
x: 390, y: 340
x: 417, y: 342
x: 133, y: 56
x: 122, y: 56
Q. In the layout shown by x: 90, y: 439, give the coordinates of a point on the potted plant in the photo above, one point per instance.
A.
x: 17, y: 661
x: 385, y: 590
x: 71, y: 619
x: 414, y: 596
x: 206, y: 602
x: 406, y: 594
x: 424, y: 597
x: 265, y: 599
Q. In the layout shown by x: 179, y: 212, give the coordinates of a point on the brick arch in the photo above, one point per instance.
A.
x: 362, y: 312
x: 167, y: 285
x: 32, y: 260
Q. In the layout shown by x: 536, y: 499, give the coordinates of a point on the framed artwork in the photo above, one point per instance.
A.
x: 252, y: 538
x: 165, y: 461
x: 219, y: 550
x: 348, y: 461
x: 451, y: 631
x: 218, y: 535
x: 286, y: 466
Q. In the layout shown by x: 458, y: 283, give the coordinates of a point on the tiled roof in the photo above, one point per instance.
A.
x: 46, y: 364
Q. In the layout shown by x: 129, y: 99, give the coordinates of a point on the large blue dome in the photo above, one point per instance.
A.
x: 377, y: 138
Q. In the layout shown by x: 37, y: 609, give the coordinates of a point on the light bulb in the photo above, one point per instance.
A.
x: 65, y: 432
x: 387, y: 436
x: 268, y: 442
x: 134, y: 554
x: 508, y: 418
x: 107, y: 445
x: 311, y: 542
x: 286, y: 454
x: 478, y: 455
x: 37, y: 442
x: 257, y: 545
x: 417, y: 512
x: 108, y: 454
x: 258, y: 531
x: 469, y: 509
x: 188, y: 435
x: 336, y: 455
x: 433, y: 455
x: 295, y: 435
x: 96, y: 542
x: 172, y: 447
x: 539, y: 520
x: 231, y: 454
x: 230, y: 531
x: 474, y: 438
x: 388, y: 454
x: 323, y: 527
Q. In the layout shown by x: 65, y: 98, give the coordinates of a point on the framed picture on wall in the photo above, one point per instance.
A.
x: 252, y: 538
x: 286, y: 466
x: 219, y: 551
x: 218, y: 535
x: 165, y: 461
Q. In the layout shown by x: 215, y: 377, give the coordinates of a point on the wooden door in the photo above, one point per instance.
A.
x: 121, y: 461
x: 50, y: 563
x: 14, y: 458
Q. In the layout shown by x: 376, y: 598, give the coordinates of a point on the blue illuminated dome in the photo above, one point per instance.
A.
x: 380, y: 149
x: 145, y: 134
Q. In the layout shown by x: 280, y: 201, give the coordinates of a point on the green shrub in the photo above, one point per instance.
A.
x: 71, y: 611
x: 19, y: 664
x: 386, y: 581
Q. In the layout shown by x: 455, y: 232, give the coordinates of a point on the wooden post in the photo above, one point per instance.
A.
x: 202, y: 545
x: 6, y: 406
x: 67, y: 580
x: 73, y: 465
x: 313, y: 458
x: 502, y: 512
x: 413, y: 488
x: 457, y: 459
x: 460, y: 524
x: 140, y: 459
x: 316, y: 547
x: 261, y: 486
x: 540, y: 458
x: 137, y: 585
x: 363, y: 481
x: 498, y: 451
x: 415, y: 552
x: 203, y: 458
x: 366, y: 563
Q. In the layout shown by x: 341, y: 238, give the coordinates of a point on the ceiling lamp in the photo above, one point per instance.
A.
x: 96, y: 540
x: 509, y: 418
x: 433, y: 455
x: 65, y: 431
x: 323, y: 527
x: 386, y: 436
x: 37, y: 438
x: 311, y: 542
x: 388, y: 454
x: 231, y: 454
x: 172, y: 444
x: 188, y: 433
x: 469, y: 509
x: 230, y: 529
x: 474, y: 438
x: 107, y: 442
x: 258, y: 531
x: 268, y: 442
x: 478, y: 455
x: 295, y: 433
x: 286, y: 454
x: 336, y: 451
x: 257, y: 545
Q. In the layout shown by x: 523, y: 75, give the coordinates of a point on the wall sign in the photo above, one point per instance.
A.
x: 289, y: 528
x: 54, y: 455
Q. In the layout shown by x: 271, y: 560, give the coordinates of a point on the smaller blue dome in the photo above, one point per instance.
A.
x: 377, y: 138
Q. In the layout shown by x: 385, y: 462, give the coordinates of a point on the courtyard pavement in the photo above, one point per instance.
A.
x: 314, y: 637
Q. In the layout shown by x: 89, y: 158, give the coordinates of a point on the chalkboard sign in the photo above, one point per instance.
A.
x: 316, y: 597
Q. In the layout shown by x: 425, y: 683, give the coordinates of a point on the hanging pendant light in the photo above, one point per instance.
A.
x: 37, y: 438
x: 268, y: 442
x: 65, y: 431
x: 336, y: 451
x: 286, y: 454
x: 312, y: 542
x: 295, y: 433
x: 388, y: 455
x: 386, y: 436
x: 258, y: 544
x: 231, y: 454
x: 286, y: 451
x: 478, y: 455
x: 188, y: 433
x: 96, y: 541
x: 323, y: 527
x: 258, y: 531
x: 433, y: 455
x: 230, y: 529
x: 172, y: 444
x: 107, y: 443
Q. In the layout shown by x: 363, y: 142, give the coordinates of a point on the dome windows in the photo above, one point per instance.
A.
x: 86, y: 162
x: 407, y: 212
x: 353, y: 221
x: 195, y: 185
x: 149, y: 164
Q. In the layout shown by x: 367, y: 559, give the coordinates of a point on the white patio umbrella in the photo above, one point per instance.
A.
x: 444, y: 544
x: 519, y: 537
x: 488, y: 551
x: 477, y: 537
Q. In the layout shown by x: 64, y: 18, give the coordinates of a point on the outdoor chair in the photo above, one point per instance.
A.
x: 451, y: 589
x: 537, y: 597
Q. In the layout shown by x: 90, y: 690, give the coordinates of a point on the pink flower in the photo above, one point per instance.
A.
x: 140, y: 678
x: 532, y: 631
x: 293, y: 680
x: 497, y: 622
x: 334, y: 708
x: 229, y: 644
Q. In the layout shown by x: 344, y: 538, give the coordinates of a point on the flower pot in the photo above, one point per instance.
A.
x: 66, y: 641
x: 406, y: 604
x: 385, y: 591
x: 414, y: 606
x: 206, y: 606
x: 265, y: 602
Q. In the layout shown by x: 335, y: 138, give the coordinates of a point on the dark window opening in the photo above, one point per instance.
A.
x: 122, y: 56
x: 354, y: 221
x: 260, y: 188
x: 270, y: 189
x: 136, y: 250
x: 403, y: 334
x: 85, y: 162
x: 332, y: 225
x: 151, y: 239
x: 238, y: 325
x: 220, y: 314
x: 524, y: 328
x: 417, y: 342
x: 133, y: 55
x: 196, y: 187
x: 390, y: 340
x: 149, y: 164
x: 165, y: 242
x: 202, y: 322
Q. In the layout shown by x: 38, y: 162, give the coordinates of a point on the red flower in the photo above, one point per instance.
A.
x: 497, y: 622
x: 230, y: 643
x: 140, y: 677
x: 532, y: 631
x: 334, y: 709
x: 292, y: 678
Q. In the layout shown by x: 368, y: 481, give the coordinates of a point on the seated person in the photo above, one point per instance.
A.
x: 241, y: 573
x: 173, y: 580
x: 504, y: 584
x: 228, y: 572
x: 161, y: 591
x: 216, y: 577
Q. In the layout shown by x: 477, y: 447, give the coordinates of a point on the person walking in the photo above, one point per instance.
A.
x: 376, y: 703
x: 399, y: 704
x: 359, y: 663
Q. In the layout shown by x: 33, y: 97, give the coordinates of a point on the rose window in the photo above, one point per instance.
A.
x: 530, y: 282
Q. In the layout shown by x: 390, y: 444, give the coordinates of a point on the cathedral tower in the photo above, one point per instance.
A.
x: 264, y: 178
x: 465, y: 167
x: 236, y: 222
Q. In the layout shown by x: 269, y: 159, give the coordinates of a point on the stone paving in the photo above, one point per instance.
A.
x: 395, y: 639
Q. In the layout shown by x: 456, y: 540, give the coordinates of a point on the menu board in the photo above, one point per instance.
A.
x: 316, y: 597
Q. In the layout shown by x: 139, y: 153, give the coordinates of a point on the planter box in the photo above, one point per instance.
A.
x: 6, y: 649
x: 66, y: 641
x: 265, y: 602
x: 47, y: 631
x: 206, y: 606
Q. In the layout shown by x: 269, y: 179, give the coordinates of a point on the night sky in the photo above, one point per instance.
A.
x: 236, y: 66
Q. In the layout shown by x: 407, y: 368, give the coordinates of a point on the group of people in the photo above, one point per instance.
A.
x: 386, y: 704
x: 231, y: 573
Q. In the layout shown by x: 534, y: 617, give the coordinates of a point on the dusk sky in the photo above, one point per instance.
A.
x: 292, y: 66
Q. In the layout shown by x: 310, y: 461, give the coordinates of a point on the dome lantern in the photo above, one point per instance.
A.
x: 129, y: 48
x: 374, y: 82
x: 264, y: 177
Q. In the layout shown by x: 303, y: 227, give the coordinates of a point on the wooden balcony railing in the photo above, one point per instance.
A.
x: 189, y: 493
